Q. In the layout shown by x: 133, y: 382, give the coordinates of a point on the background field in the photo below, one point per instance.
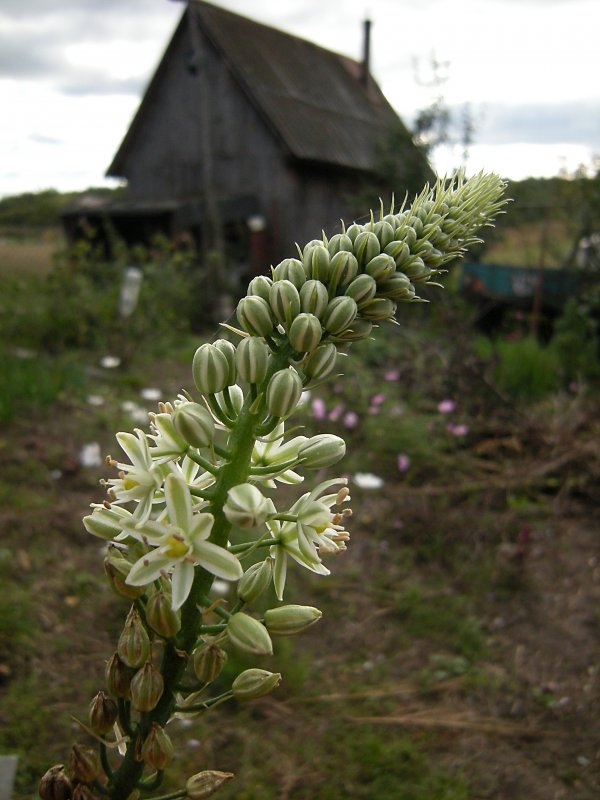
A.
x: 457, y: 655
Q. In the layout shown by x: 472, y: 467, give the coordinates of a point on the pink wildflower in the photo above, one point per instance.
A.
x: 377, y: 399
x: 336, y: 412
x: 350, y: 419
x: 457, y: 430
x: 318, y: 408
x: 403, y: 462
x: 446, y: 406
x: 391, y: 375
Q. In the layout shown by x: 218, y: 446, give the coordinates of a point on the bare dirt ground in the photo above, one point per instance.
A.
x: 465, y: 617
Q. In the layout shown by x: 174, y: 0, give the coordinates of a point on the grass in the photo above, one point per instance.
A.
x: 31, y: 382
x: 27, y: 257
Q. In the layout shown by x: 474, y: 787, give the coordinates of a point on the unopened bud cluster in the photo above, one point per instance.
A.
x: 211, y: 464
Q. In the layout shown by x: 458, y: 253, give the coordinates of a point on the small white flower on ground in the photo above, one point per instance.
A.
x: 90, y: 455
x: 136, y: 412
x: 110, y: 362
x: 151, y: 393
x: 367, y: 480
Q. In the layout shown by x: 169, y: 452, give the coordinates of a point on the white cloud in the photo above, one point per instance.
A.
x: 74, y: 70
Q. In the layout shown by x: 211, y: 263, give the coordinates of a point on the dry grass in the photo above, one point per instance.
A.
x: 28, y: 257
x: 528, y: 243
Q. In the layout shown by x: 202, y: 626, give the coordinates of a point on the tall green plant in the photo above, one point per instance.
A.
x: 208, y: 466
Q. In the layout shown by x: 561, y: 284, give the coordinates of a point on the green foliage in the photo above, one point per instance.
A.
x: 523, y: 368
x: 77, y: 305
x: 382, y: 766
x: 443, y: 619
x: 576, y: 342
x: 32, y: 383
x: 42, y: 209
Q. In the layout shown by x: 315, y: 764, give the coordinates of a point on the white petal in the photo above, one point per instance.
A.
x: 201, y: 527
x: 182, y: 579
x: 136, y: 448
x: 179, y: 502
x: 280, y: 570
x: 218, y: 561
x: 148, y: 568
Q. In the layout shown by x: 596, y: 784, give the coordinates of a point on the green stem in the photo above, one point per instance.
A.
x: 210, y: 703
x: 177, y: 651
x: 153, y: 782
x: 172, y: 796
x: 203, y: 462
x: 248, y: 548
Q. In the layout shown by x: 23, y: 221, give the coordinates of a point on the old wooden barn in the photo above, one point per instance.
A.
x: 251, y: 139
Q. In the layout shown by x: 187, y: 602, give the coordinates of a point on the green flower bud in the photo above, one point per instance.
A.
x: 157, y: 749
x: 260, y: 286
x: 208, y: 662
x: 118, y: 677
x: 253, y: 683
x: 161, y: 617
x: 416, y: 223
x: 283, y: 392
x: 384, y: 231
x: 305, y: 333
x: 228, y: 350
x: 343, y: 269
x: 380, y: 308
x: 284, y: 301
x: 398, y: 287
x: 353, y: 231
x: 381, y: 267
x: 407, y: 234
x: 399, y: 251
x: 359, y: 329
x: 55, y: 785
x: 246, y: 506
x: 236, y: 395
x: 147, y: 686
x: 252, y: 359
x: 314, y: 298
x: 366, y: 247
x: 339, y: 314
x: 316, y: 260
x: 103, y: 714
x: 255, y: 580
x: 288, y: 620
x: 339, y: 242
x: 194, y: 423
x: 210, y: 369
x: 362, y: 288
x: 134, y: 645
x: 84, y: 765
x: 321, y: 451
x: 416, y: 270
x: 254, y: 315
x: 117, y: 569
x: 205, y: 784
x: 105, y: 523
x: 249, y: 635
x: 321, y: 362
x: 290, y: 269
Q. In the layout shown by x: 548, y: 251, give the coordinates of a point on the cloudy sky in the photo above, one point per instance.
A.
x: 72, y: 73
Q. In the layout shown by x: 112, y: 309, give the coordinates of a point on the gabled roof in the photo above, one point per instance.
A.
x: 313, y: 100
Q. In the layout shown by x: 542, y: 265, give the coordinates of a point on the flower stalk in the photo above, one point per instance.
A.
x: 215, y: 463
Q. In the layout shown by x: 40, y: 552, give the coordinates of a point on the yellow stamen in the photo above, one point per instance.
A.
x: 176, y: 547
